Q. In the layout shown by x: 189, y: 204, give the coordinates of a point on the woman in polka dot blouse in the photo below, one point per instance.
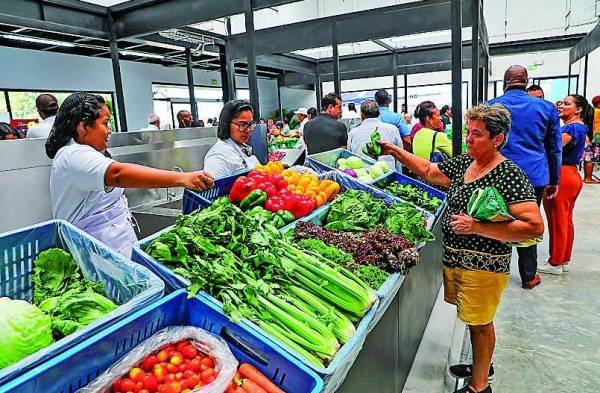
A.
x: 476, y: 259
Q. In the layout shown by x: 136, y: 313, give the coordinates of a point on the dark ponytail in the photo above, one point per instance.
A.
x: 78, y: 107
x: 587, y: 112
x: 423, y: 110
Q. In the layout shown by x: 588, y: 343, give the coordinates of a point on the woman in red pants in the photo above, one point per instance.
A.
x: 559, y: 210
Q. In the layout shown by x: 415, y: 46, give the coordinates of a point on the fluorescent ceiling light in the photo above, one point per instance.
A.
x: 164, y: 46
x: 140, y: 54
x: 37, y: 40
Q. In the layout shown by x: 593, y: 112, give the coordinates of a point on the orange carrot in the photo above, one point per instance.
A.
x: 250, y: 386
x: 249, y: 371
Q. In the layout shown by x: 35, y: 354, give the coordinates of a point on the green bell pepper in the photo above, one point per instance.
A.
x: 255, y: 198
x: 286, y: 216
x: 277, y: 222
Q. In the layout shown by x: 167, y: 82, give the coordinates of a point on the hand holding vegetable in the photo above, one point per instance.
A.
x: 388, y: 148
x: 372, y: 148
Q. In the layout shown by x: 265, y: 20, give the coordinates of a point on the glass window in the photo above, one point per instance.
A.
x: 163, y: 109
x: 4, y: 115
x: 555, y: 89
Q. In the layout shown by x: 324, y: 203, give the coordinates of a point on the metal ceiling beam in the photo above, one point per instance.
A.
x: 534, y: 45
x: 587, y: 44
x: 287, y: 63
x: 61, y: 16
x: 384, y: 45
x: 430, y: 58
x: 149, y: 17
x: 382, y: 23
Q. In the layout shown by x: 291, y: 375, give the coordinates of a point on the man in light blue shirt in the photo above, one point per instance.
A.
x: 383, y: 99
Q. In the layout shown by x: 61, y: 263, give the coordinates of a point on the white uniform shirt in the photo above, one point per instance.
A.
x: 360, y: 135
x: 151, y: 127
x: 42, y: 130
x: 227, y: 157
x: 77, y: 182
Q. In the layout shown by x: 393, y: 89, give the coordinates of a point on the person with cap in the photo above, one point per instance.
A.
x: 325, y: 132
x: 535, y: 145
x: 232, y: 152
x: 361, y: 134
x: 47, y: 106
x: 384, y: 99
x: 153, y: 123
x: 302, y: 115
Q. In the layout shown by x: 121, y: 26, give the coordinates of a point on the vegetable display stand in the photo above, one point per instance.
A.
x: 79, y: 365
x: 387, y: 356
x: 326, y: 161
x: 402, y: 179
x: 333, y: 375
x: 129, y: 285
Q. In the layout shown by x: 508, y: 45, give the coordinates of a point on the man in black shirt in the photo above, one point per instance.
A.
x: 326, y: 132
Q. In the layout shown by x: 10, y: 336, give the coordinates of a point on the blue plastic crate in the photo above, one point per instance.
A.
x: 83, y: 363
x: 128, y: 284
x: 198, y: 200
x: 326, y: 161
x: 403, y: 179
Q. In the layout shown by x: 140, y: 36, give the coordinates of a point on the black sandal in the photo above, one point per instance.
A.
x: 463, y: 371
x: 469, y: 389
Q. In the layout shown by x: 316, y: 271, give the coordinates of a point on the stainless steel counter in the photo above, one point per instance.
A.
x: 25, y: 169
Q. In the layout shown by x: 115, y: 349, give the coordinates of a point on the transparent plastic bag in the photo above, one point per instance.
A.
x: 209, y: 344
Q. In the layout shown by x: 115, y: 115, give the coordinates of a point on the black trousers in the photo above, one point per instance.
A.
x: 528, y: 255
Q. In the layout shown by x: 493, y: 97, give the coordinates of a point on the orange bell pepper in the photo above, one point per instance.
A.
x: 321, y: 198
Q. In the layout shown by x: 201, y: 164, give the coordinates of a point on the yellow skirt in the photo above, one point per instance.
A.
x: 475, y: 293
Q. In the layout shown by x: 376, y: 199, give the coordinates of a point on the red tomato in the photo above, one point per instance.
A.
x: 144, y: 391
x: 179, y: 376
x: 170, y: 349
x: 209, y: 362
x: 159, y: 372
x: 116, y: 387
x: 150, y: 382
x: 162, y: 356
x: 195, y: 364
x: 138, y: 386
x: 185, y: 366
x: 149, y: 363
x: 127, y: 385
x: 208, y: 376
x: 182, y: 344
x: 192, y: 381
x: 137, y: 374
x: 172, y: 369
x: 188, y: 373
x: 189, y: 352
x: 177, y: 359
x: 169, y: 378
x: 174, y: 387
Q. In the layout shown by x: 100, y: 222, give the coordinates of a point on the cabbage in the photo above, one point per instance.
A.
x: 354, y: 162
x: 24, y: 329
x: 375, y: 171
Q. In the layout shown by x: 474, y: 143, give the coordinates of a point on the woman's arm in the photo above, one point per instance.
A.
x: 137, y: 176
x: 528, y: 224
x: 423, y: 168
x: 566, y: 138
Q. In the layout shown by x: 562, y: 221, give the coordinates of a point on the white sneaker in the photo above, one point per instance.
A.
x: 547, y: 268
x: 565, y: 267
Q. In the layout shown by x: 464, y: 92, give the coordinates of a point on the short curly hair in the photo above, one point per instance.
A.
x: 495, y: 117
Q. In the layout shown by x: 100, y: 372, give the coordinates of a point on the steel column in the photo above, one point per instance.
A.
x: 230, y: 70
x: 395, y: 74
x: 114, y: 56
x: 251, y: 58
x: 406, y: 91
x: 569, y: 80
x: 486, y: 79
x: 337, y: 84
x: 475, y: 12
x: 585, y: 76
x: 224, y: 76
x: 481, y: 85
x: 456, y: 17
x: 318, y: 91
x: 279, y: 96
x: 190, y: 79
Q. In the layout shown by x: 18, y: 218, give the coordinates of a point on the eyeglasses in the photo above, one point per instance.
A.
x: 243, y: 126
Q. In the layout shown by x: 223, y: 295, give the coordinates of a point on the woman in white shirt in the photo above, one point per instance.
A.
x: 232, y: 153
x: 87, y: 185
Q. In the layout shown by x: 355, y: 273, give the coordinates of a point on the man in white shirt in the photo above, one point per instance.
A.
x: 47, y: 106
x: 360, y: 135
x: 153, y: 123
x: 302, y: 115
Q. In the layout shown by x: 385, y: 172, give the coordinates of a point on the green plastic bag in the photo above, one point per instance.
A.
x: 488, y: 205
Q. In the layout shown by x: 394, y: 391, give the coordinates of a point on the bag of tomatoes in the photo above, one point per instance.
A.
x: 178, y: 359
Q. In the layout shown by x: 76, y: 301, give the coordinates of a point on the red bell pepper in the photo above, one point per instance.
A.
x: 278, y: 181
x: 269, y: 188
x: 304, y: 206
x: 241, y: 188
x: 258, y: 177
x: 275, y: 203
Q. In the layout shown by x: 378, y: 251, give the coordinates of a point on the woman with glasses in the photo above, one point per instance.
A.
x: 232, y: 153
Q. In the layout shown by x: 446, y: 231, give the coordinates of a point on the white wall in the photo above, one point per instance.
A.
x: 38, y: 70
x: 296, y: 98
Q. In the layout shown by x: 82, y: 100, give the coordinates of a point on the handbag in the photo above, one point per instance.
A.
x: 436, y: 156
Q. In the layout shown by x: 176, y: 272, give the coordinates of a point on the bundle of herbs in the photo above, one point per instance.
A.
x: 415, y: 195
x: 305, y: 300
x: 378, y: 247
x: 357, y: 211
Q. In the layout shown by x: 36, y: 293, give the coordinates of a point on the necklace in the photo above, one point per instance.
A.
x: 476, y: 176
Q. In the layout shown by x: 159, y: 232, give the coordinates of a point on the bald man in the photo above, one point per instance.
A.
x: 535, y: 145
